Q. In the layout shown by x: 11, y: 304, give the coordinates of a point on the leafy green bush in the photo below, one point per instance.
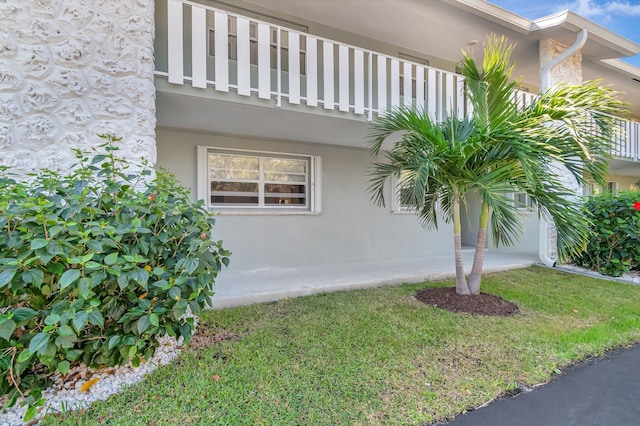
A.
x: 614, y: 247
x: 95, y: 266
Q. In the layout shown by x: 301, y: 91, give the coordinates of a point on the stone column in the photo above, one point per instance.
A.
x: 69, y: 70
x: 567, y: 71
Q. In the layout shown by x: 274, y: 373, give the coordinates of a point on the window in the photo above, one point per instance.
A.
x: 522, y: 201
x: 417, y: 60
x: 590, y: 189
x: 611, y: 187
x: 253, y: 40
x: 238, y: 180
x: 400, y: 194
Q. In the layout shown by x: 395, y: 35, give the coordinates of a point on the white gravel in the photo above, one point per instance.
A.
x: 65, y: 395
x: 631, y: 277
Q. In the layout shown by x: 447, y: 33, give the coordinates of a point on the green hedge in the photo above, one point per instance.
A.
x: 95, y: 266
x: 614, y: 247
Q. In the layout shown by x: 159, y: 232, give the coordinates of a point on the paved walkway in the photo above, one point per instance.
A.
x: 602, y: 392
x: 235, y: 288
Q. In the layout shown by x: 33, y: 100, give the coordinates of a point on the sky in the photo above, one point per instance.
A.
x: 619, y: 16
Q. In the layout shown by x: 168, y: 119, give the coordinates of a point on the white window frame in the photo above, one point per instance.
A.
x: 396, y: 206
x: 590, y: 188
x: 527, y: 207
x: 314, y: 184
x: 610, y: 187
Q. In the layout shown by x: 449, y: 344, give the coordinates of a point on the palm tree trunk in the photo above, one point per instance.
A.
x: 461, y: 282
x: 478, y: 258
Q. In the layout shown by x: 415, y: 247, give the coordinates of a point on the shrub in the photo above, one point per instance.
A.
x: 95, y: 266
x: 614, y: 247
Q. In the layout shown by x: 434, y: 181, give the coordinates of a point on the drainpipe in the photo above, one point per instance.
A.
x: 545, y: 74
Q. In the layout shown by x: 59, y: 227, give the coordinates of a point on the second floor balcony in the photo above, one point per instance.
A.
x: 235, y: 58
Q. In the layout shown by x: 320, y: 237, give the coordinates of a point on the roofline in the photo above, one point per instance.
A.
x: 573, y: 21
x: 567, y: 20
x: 622, y: 66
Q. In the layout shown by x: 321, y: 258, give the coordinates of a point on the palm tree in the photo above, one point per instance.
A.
x: 500, y: 149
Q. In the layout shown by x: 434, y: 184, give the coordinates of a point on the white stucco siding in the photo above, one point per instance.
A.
x: 350, y: 227
x: 70, y: 70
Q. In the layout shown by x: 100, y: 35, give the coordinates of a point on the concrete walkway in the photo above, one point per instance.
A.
x: 235, y: 288
x: 602, y: 392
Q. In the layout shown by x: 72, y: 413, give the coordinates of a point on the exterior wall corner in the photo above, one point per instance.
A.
x: 70, y: 70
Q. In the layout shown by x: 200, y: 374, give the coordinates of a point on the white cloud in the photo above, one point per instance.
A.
x: 594, y: 9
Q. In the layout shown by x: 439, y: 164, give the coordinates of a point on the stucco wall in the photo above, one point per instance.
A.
x: 70, y: 70
x: 568, y: 71
x: 350, y: 227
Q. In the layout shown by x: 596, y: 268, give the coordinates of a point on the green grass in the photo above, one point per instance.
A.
x: 378, y: 356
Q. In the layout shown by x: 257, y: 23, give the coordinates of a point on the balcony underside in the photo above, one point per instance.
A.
x: 183, y: 107
x: 622, y: 167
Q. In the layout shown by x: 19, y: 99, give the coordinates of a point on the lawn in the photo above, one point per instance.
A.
x: 377, y: 356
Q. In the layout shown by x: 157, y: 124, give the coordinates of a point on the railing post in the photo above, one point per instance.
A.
x: 278, y: 70
x: 175, y: 42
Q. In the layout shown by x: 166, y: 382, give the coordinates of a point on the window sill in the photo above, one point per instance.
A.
x: 262, y: 213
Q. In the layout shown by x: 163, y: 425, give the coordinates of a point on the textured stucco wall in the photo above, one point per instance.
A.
x: 70, y: 69
x: 568, y: 71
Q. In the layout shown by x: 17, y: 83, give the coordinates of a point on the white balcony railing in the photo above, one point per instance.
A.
x: 230, y: 52
x: 253, y: 57
x: 626, y: 143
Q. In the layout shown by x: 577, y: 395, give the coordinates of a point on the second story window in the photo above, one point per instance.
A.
x: 253, y: 41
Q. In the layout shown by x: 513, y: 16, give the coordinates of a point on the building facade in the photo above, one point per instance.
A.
x: 262, y: 107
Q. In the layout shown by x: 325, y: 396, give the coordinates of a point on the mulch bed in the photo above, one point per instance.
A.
x: 481, y: 304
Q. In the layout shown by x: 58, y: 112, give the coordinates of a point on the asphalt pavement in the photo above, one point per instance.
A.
x: 599, y: 392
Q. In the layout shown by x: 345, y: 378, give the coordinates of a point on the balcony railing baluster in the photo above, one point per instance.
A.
x: 338, y: 75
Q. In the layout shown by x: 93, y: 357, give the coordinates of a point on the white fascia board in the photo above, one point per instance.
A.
x: 567, y: 20
x: 573, y: 22
x: 623, y: 67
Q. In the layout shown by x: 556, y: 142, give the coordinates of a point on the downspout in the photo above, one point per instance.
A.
x: 545, y: 73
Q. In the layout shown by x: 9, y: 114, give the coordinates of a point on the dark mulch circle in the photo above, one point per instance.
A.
x: 481, y: 304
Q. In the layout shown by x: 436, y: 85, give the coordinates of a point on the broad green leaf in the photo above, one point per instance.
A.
x: 65, y: 330
x: 84, y: 288
x: 69, y: 277
x: 55, y: 268
x: 114, y: 341
x: 174, y: 293
x: 73, y: 354
x: 24, y: 313
x: 6, y: 276
x: 52, y: 319
x: 33, y: 276
x: 39, y: 342
x: 110, y: 259
x: 24, y: 356
x: 63, y: 367
x: 96, y: 318
x: 66, y: 342
x: 37, y: 243
x: 80, y: 320
x: 143, y: 324
x: 6, y: 329
x: 154, y: 319
x: 30, y: 414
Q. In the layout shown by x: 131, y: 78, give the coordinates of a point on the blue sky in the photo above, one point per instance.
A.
x: 620, y: 16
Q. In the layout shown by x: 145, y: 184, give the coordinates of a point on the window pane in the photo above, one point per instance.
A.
x: 285, y: 177
x: 284, y: 189
x: 285, y: 165
x: 234, y: 193
x: 234, y: 200
x: 280, y: 201
x: 234, y: 186
x: 234, y: 167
